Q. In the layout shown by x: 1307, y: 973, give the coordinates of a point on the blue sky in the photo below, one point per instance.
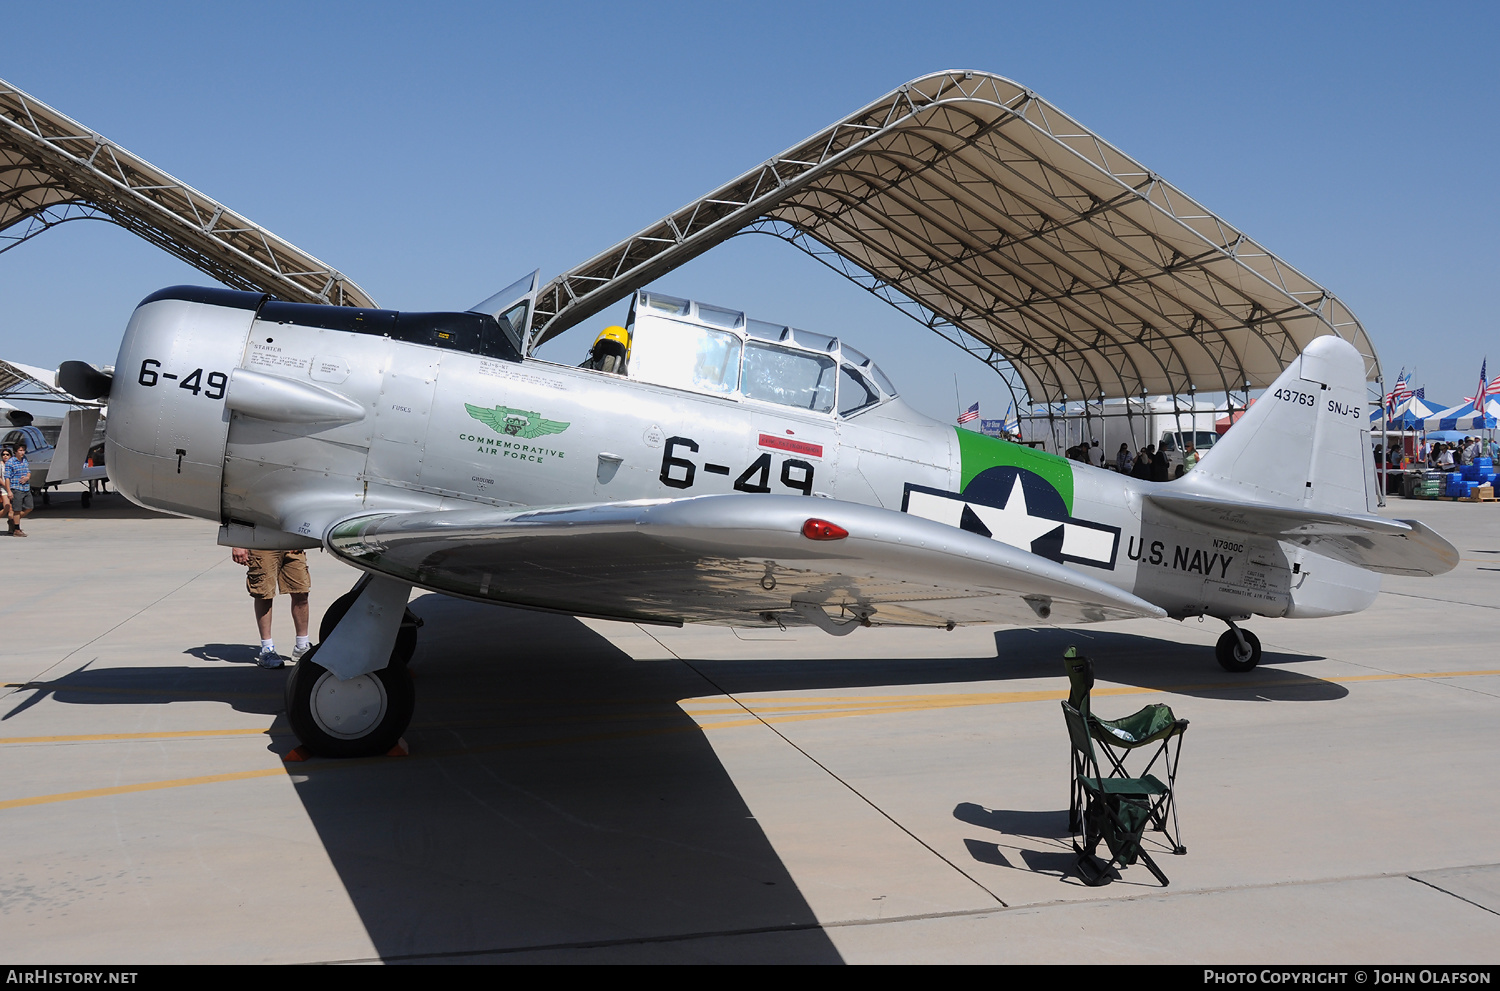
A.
x: 435, y: 152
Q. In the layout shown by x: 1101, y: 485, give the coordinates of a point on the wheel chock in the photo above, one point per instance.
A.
x: 299, y: 754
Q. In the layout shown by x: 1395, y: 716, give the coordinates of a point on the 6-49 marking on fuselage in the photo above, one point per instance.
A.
x: 150, y: 374
x: 678, y: 472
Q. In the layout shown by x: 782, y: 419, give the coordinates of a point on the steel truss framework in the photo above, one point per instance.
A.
x: 997, y: 221
x: 54, y: 170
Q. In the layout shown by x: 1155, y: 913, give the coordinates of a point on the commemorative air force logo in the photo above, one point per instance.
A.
x: 515, y: 422
x: 1020, y: 508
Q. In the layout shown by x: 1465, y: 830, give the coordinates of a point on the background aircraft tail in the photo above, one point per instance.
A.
x: 1305, y: 443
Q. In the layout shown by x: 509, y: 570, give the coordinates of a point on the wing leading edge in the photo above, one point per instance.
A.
x: 728, y: 559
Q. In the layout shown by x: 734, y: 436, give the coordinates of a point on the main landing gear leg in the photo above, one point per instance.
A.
x: 351, y: 695
x: 1238, y: 650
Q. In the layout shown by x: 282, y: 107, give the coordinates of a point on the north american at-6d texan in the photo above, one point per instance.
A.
x: 702, y: 467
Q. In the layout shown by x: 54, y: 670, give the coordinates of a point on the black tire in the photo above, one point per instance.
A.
x: 335, y: 612
x: 406, y: 641
x: 1232, y: 657
x: 362, y: 717
x: 87, y: 500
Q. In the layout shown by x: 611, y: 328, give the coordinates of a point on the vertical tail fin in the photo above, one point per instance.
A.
x: 1306, y: 441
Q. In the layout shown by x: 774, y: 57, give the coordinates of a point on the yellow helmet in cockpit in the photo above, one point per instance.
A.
x: 610, y: 351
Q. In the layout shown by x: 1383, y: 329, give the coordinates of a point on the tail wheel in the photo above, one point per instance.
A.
x: 1236, y: 657
x: 361, y: 717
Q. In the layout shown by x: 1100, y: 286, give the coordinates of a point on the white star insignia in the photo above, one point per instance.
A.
x: 1014, y: 524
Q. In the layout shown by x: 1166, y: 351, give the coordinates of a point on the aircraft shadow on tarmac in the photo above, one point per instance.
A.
x: 1029, y: 654
x: 558, y: 796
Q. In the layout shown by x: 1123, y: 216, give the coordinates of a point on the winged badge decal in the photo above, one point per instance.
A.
x: 516, y: 422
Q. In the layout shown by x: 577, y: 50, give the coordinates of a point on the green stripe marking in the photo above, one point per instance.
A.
x: 980, y: 452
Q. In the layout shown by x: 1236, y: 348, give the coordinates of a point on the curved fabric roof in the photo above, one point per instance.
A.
x: 54, y: 170
x: 1000, y: 222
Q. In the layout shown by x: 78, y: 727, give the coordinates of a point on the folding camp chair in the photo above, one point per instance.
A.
x: 1116, y: 810
x: 1154, y: 724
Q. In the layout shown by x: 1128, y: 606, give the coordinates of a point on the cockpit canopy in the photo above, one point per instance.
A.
x: 688, y: 345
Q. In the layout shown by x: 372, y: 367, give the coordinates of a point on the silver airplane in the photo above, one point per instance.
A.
x: 702, y: 468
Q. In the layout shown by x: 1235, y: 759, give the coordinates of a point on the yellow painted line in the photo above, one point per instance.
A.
x: 827, y: 708
x: 833, y: 708
x: 1416, y: 677
x: 69, y: 796
x: 175, y: 735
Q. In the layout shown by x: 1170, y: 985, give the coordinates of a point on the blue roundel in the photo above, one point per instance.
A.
x: 993, y: 487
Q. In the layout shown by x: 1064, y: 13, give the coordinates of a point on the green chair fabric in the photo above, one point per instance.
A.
x: 1117, y: 806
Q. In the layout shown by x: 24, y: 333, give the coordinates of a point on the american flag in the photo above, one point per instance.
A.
x: 969, y: 415
x: 1486, y: 389
x: 1400, y: 392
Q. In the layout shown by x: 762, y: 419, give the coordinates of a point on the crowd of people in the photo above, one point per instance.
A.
x: 1443, y: 455
x: 1147, y: 464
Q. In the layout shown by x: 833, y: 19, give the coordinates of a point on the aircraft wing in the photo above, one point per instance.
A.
x: 1392, y: 547
x: 731, y: 560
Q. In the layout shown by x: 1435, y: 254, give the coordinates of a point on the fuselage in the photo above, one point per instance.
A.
x: 437, y: 423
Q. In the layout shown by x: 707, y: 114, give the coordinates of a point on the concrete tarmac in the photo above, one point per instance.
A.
x: 582, y: 791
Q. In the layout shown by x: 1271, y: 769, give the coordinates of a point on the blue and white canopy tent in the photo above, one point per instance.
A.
x: 1409, y: 414
x: 1464, y: 417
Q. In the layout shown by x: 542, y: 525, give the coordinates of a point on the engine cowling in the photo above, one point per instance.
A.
x: 168, y: 423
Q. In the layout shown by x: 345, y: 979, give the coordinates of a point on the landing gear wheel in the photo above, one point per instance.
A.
x: 406, y: 641
x: 87, y: 499
x: 335, y: 612
x: 406, y: 635
x: 362, y: 717
x: 1233, y: 657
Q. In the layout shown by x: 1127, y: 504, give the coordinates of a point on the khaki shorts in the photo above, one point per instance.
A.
x: 268, y: 569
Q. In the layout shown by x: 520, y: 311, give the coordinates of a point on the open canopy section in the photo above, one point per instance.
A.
x: 1001, y: 223
x: 54, y: 170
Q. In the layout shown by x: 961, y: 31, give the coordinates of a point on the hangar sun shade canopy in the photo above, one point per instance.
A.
x: 999, y: 222
x: 54, y: 170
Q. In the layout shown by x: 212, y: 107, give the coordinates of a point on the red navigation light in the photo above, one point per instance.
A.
x: 823, y: 530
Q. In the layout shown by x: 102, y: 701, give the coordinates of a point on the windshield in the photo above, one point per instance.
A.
x: 855, y: 392
x: 688, y: 357
x: 685, y: 344
x: 792, y: 378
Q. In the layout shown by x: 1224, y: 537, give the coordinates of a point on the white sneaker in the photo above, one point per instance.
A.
x: 300, y: 652
x: 269, y: 658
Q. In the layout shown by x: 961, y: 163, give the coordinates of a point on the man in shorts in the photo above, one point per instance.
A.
x: 18, y: 474
x: 268, y: 571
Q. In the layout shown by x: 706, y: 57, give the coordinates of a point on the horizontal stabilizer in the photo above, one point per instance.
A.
x: 731, y: 559
x: 1392, y: 547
